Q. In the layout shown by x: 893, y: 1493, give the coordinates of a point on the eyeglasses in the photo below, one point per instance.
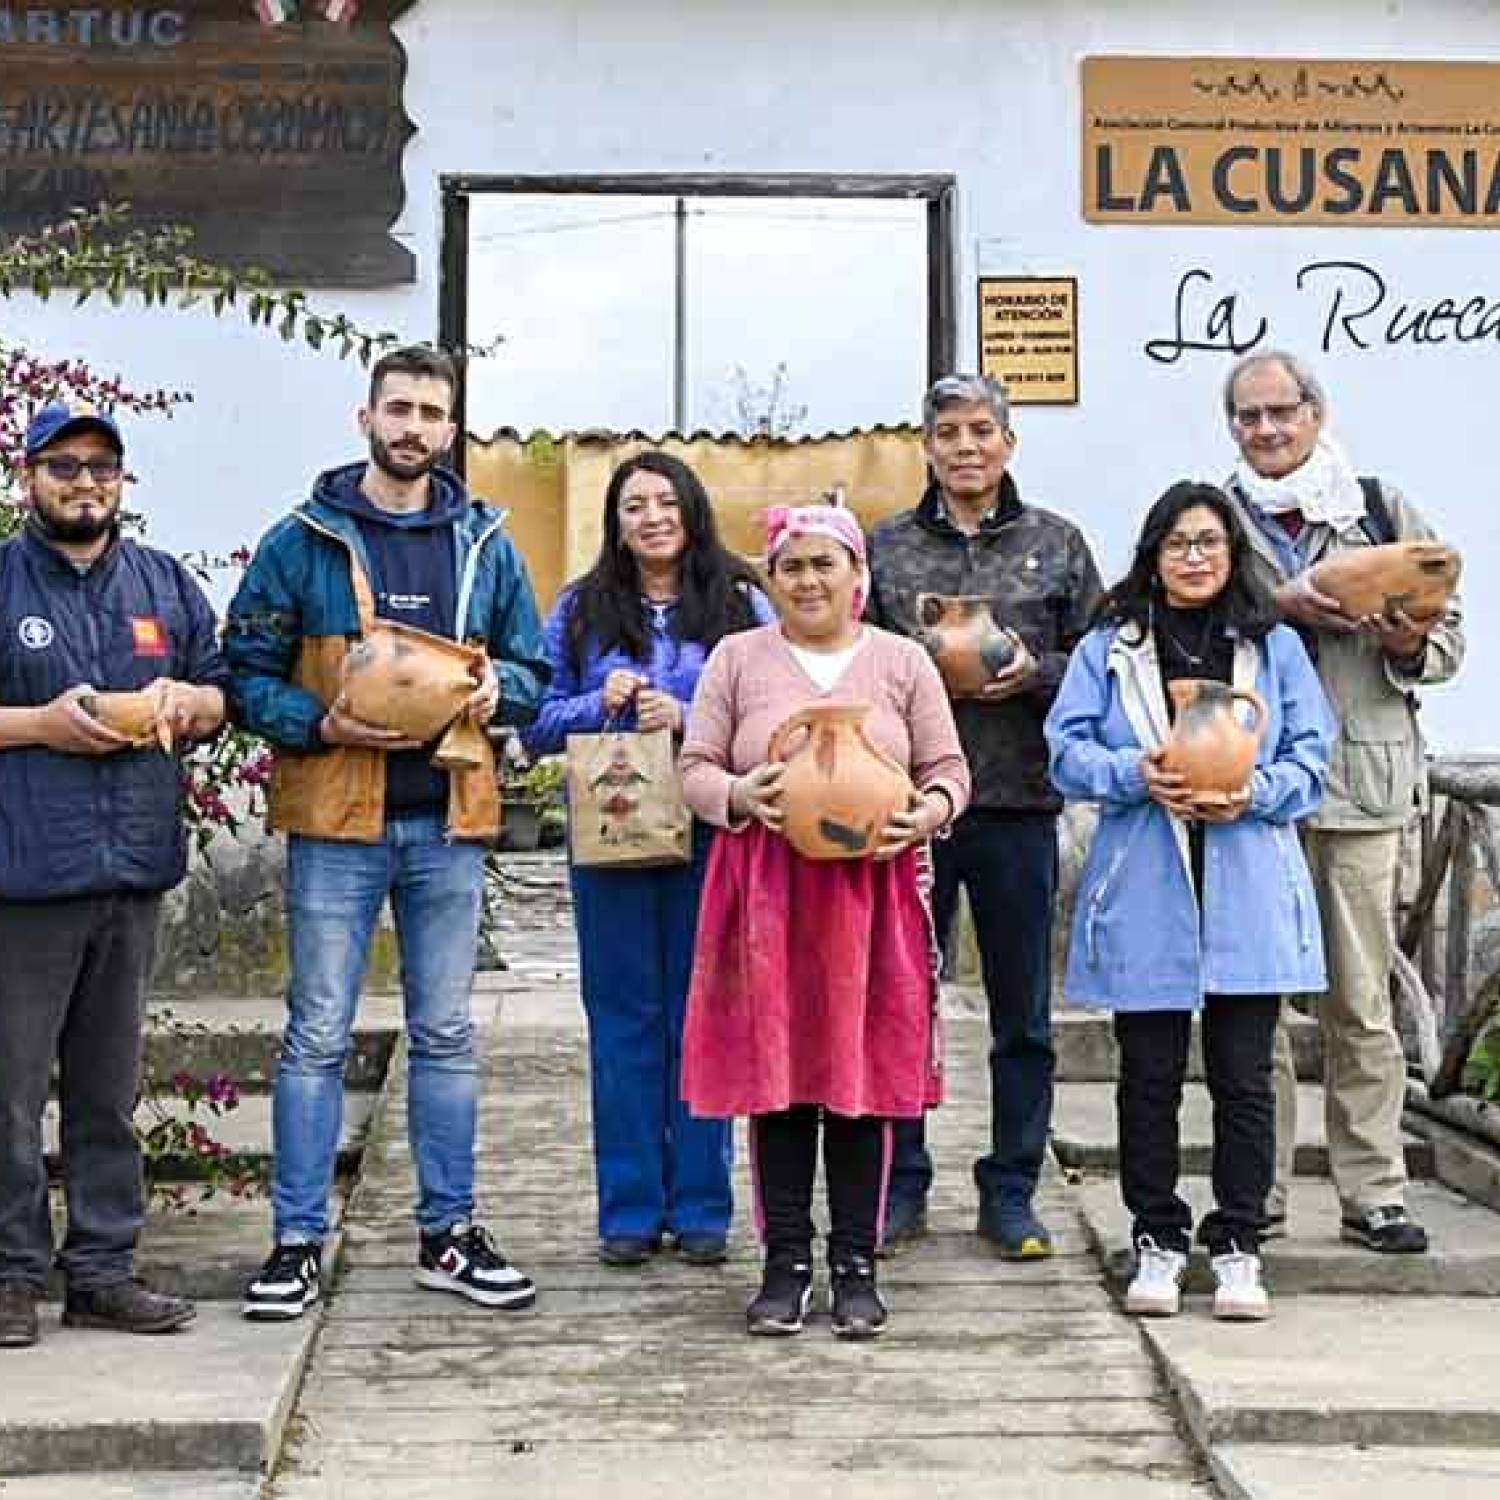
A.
x: 1208, y: 544
x: 1282, y: 415
x: 67, y: 468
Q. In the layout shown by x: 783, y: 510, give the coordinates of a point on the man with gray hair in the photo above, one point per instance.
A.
x: 971, y: 534
x: 1301, y: 502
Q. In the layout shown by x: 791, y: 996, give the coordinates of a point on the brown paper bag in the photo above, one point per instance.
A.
x: 625, y: 807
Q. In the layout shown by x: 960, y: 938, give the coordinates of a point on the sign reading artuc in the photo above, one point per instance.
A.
x: 1028, y: 337
x: 1194, y: 140
x: 273, y: 132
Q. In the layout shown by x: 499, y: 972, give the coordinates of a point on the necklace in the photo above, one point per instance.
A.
x: 1195, y: 659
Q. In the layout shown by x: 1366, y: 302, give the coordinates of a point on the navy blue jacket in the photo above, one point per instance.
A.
x: 76, y: 825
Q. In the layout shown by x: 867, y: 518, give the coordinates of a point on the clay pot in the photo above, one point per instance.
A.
x: 398, y: 677
x: 970, y: 649
x: 1417, y: 577
x: 130, y: 714
x: 839, y: 789
x: 1209, y: 745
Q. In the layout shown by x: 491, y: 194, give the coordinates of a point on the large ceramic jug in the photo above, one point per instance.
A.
x: 131, y: 714
x: 970, y: 649
x: 839, y: 789
x: 399, y: 677
x: 1417, y: 577
x: 1209, y: 745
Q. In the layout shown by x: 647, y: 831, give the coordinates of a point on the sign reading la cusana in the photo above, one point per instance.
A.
x: 1197, y: 140
x: 273, y: 130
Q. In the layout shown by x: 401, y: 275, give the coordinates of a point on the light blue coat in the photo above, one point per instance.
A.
x: 1139, y: 940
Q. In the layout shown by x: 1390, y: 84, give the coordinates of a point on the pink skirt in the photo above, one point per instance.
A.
x: 814, y: 982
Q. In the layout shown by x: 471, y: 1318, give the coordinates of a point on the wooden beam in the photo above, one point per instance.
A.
x: 1417, y: 1010
x: 1434, y: 867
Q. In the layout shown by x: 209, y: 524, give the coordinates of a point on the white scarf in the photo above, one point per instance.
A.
x: 1325, y: 489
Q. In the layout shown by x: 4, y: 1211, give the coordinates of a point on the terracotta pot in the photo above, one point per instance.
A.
x: 970, y: 649
x: 130, y: 714
x: 398, y: 677
x: 1417, y: 577
x: 1209, y: 745
x: 839, y: 788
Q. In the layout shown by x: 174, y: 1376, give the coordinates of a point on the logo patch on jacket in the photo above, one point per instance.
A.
x: 150, y: 638
x: 35, y: 633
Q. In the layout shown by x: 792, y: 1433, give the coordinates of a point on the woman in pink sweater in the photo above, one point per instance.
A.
x: 814, y: 993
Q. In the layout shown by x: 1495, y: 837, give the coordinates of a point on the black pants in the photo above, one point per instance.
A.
x: 1007, y: 862
x: 785, y: 1150
x: 72, y: 985
x: 1238, y: 1031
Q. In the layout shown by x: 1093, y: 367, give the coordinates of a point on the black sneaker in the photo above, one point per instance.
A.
x: 785, y: 1293
x: 1390, y: 1230
x: 466, y: 1260
x: 126, y: 1307
x: 286, y: 1286
x: 854, y: 1302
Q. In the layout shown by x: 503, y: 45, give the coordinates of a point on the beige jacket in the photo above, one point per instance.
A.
x: 1377, y: 775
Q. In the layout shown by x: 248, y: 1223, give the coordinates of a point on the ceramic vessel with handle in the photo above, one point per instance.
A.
x: 969, y: 647
x: 1210, y: 745
x: 1417, y: 577
x: 398, y: 677
x: 839, y: 789
x: 130, y: 714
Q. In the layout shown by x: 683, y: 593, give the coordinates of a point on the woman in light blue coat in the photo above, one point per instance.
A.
x: 1185, y: 908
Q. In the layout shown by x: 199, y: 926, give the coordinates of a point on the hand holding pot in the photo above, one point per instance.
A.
x: 64, y: 725
x: 655, y: 709
x: 914, y: 824
x: 485, y: 698
x: 1015, y: 677
x: 1400, y: 637
x: 340, y: 728
x: 184, y: 711
x: 1232, y: 806
x: 757, y: 794
x: 1168, y: 788
x: 1301, y: 602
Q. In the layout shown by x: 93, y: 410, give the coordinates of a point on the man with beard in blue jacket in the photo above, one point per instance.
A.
x: 90, y: 837
x: 368, y: 816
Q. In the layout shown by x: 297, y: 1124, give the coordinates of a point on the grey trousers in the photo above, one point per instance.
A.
x: 1364, y: 1087
x: 72, y: 989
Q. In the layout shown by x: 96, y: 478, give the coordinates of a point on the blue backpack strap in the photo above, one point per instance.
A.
x: 1377, y: 522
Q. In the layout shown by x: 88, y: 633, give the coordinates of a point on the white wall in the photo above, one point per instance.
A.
x: 984, y: 90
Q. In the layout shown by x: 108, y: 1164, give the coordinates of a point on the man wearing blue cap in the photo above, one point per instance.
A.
x: 92, y: 838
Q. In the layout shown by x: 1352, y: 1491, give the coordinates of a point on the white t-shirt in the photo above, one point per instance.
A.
x: 825, y: 667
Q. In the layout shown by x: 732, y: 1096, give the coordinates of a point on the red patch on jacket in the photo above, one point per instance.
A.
x: 150, y: 638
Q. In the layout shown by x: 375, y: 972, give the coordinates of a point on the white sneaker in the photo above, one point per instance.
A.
x: 1156, y: 1291
x: 1239, y: 1296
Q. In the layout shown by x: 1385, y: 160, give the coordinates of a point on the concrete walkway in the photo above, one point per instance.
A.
x: 994, y: 1380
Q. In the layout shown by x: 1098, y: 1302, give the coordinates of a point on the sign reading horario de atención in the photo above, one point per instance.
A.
x: 1290, y: 141
x: 278, y: 144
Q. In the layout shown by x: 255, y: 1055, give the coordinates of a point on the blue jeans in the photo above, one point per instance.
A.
x: 658, y: 1168
x: 1007, y: 862
x: 334, y: 892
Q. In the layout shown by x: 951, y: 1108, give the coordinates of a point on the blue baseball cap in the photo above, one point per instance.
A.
x: 60, y: 419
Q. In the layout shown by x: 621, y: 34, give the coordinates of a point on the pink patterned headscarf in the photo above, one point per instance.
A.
x: 785, y: 522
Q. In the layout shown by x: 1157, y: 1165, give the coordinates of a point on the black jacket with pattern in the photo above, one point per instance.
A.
x: 1040, y: 577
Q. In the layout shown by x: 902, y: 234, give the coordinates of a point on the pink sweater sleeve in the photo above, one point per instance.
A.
x: 937, y: 757
x: 707, y: 744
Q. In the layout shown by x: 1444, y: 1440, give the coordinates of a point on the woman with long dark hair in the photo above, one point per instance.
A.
x: 627, y: 642
x: 1189, y: 906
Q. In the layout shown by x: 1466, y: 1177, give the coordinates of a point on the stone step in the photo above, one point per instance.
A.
x: 1085, y: 1040
x: 240, y: 1038
x: 1294, y: 1471
x: 160, y: 1484
x: 244, y: 1131
x: 1464, y: 1260
x: 1084, y: 1131
x: 1329, y: 1371
x: 213, y: 1397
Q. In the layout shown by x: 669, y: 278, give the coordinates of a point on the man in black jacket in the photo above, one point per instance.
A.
x: 971, y: 534
x: 92, y: 837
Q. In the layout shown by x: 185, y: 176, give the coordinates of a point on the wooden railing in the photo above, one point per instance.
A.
x: 1437, y: 998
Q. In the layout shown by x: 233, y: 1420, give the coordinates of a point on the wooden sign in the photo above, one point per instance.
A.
x: 272, y: 131
x: 1028, y: 337
x: 1195, y: 140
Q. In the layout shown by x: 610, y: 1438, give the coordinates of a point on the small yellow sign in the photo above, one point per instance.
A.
x: 1028, y: 337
